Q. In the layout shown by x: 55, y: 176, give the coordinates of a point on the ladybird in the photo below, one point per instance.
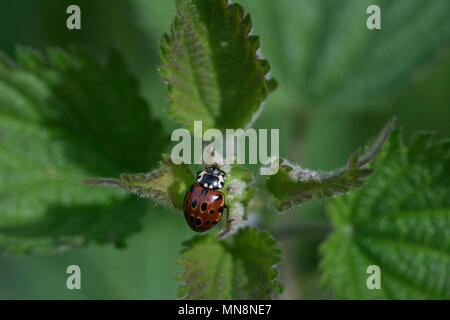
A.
x: 203, y: 205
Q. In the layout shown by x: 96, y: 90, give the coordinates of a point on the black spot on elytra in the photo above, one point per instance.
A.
x: 204, y: 206
x: 192, y: 188
x: 194, y: 203
x: 218, y: 197
x: 211, y: 211
x: 221, y: 209
x: 204, y: 191
x: 207, y: 222
x: 214, y: 223
x: 198, y: 221
x: 187, y: 202
x: 191, y: 219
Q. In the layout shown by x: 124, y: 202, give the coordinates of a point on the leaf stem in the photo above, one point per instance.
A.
x: 378, y: 143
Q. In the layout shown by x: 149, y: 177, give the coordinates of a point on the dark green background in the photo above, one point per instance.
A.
x: 315, y: 137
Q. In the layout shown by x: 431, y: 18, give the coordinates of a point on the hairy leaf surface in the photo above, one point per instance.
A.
x: 167, y: 184
x: 293, y: 184
x: 400, y: 221
x: 241, y: 269
x: 211, y: 67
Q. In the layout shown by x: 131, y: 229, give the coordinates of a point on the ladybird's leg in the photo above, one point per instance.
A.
x: 228, y: 214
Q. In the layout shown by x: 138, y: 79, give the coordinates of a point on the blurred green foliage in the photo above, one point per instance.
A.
x: 314, y: 47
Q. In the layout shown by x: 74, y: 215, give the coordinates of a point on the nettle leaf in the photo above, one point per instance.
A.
x: 96, y: 110
x: 292, y: 184
x: 239, y: 191
x: 167, y: 184
x: 63, y: 117
x: 211, y: 67
x: 398, y: 221
x: 67, y: 226
x: 244, y: 268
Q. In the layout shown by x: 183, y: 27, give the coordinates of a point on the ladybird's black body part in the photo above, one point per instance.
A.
x: 203, y: 205
x: 212, y: 178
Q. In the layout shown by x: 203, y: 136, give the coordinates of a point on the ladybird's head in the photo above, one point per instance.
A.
x: 214, y: 169
x: 212, y: 177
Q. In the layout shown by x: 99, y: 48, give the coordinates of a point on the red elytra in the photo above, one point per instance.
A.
x: 203, y: 207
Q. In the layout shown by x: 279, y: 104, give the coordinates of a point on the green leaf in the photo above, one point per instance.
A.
x: 399, y: 221
x: 65, y: 227
x: 96, y: 110
x: 64, y: 117
x: 167, y: 184
x: 211, y: 67
x: 241, y: 269
x: 239, y: 191
x: 292, y: 184
x: 323, y: 53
